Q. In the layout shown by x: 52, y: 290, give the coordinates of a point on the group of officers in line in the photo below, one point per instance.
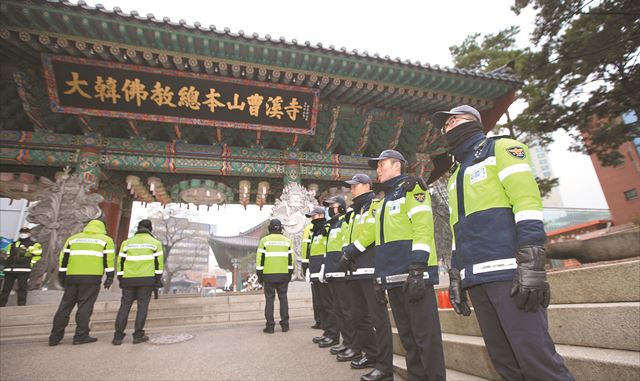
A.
x: 381, y: 251
x: 376, y: 252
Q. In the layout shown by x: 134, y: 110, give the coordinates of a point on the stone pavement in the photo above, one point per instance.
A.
x: 240, y: 352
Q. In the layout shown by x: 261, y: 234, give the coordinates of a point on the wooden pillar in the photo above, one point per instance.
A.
x: 111, y: 211
x: 125, y: 220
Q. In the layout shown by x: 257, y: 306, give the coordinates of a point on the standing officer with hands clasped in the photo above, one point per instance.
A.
x: 140, y: 265
x: 84, y: 258
x: 406, y: 266
x: 498, y: 254
x: 274, y: 265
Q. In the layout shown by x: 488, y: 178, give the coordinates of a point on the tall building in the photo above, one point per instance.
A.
x: 621, y: 184
x: 541, y: 167
x: 190, y: 251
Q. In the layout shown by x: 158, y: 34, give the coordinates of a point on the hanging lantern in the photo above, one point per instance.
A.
x: 262, y: 193
x: 244, y: 192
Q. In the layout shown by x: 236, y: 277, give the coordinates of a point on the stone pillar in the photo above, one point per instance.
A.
x: 88, y: 165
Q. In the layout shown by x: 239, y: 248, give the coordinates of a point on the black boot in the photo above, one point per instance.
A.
x: 318, y: 339
x: 363, y: 362
x: 328, y: 342
x: 338, y: 349
x: 86, y: 340
x: 138, y: 340
x: 377, y: 375
x: 268, y: 330
x: 348, y: 355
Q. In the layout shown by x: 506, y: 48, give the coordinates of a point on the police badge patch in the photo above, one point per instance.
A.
x: 420, y: 197
x: 516, y: 151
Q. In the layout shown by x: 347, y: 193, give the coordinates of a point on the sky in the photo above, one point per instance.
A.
x: 415, y: 30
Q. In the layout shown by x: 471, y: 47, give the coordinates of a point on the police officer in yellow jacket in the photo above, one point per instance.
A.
x: 139, y: 269
x: 274, y: 266
x: 23, y: 254
x: 305, y: 248
x: 84, y: 258
x: 498, y: 254
x: 367, y: 311
x: 406, y: 266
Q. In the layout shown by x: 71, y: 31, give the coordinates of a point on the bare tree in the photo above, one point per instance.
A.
x: 440, y: 205
x: 173, y: 232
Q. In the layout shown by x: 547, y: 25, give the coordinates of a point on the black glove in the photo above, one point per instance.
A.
x: 414, y: 285
x: 305, y: 267
x: 158, y: 281
x: 457, y: 295
x: 530, y: 288
x: 108, y: 282
x: 62, y: 277
x: 411, y: 181
x: 378, y: 291
x: 260, y: 278
x: 347, y: 260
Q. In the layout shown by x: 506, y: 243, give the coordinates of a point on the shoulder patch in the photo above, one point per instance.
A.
x: 420, y: 197
x: 516, y: 151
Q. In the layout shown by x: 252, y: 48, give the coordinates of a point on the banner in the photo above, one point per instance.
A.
x: 117, y: 90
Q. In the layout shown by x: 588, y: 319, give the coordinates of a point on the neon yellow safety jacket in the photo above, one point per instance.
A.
x: 87, y: 255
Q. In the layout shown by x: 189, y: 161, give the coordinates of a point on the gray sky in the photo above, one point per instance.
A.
x: 416, y: 30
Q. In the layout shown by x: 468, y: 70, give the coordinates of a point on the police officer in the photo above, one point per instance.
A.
x: 498, y: 256
x: 139, y: 269
x: 406, y: 266
x: 337, y: 207
x: 22, y: 255
x: 305, y: 247
x: 367, y: 310
x: 317, y: 251
x: 84, y: 258
x: 274, y: 266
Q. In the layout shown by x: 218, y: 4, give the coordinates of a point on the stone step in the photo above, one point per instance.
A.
x: 164, y: 301
x: 468, y: 354
x: 601, y: 325
x: 17, y: 332
x: 158, y: 311
x: 400, y: 368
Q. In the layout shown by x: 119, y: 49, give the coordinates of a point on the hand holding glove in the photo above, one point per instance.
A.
x: 260, y: 278
x: 347, y: 261
x: 62, y: 277
x: 414, y: 285
x: 457, y: 295
x: 530, y: 288
x: 321, y: 275
x: 158, y: 281
x: 108, y: 282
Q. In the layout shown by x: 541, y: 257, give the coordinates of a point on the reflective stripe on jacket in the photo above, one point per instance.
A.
x: 403, y: 234
x: 23, y: 254
x: 140, y: 259
x: 274, y: 258
x: 87, y: 255
x: 495, y: 207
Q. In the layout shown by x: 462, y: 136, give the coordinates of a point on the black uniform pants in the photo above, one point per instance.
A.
x: 518, y: 342
x: 363, y: 299
x: 340, y: 301
x: 315, y: 297
x: 419, y: 329
x: 328, y: 317
x: 357, y: 304
x: 270, y: 290
x: 9, y: 280
x: 142, y: 296
x: 84, y: 295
